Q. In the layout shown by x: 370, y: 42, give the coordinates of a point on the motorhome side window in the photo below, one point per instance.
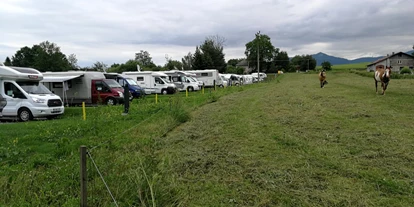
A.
x: 158, y: 80
x: 176, y: 79
x: 11, y: 90
x: 204, y: 74
x: 140, y: 78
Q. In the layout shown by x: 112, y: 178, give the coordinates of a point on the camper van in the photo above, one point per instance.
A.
x: 23, y: 97
x: 210, y: 77
x: 182, y: 80
x: 262, y: 76
x: 90, y: 87
x: 135, y: 90
x: 153, y: 82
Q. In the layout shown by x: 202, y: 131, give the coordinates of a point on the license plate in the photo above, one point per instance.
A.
x: 56, y: 110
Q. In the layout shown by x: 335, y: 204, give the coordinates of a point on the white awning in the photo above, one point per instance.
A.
x: 58, y: 79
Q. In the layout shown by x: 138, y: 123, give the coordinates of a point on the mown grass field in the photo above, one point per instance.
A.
x: 286, y: 142
x: 355, y: 66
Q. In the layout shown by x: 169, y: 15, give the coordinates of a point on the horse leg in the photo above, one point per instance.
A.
x: 376, y: 86
x: 383, y: 87
x: 321, y: 84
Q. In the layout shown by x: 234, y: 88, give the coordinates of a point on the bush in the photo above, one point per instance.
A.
x: 405, y: 71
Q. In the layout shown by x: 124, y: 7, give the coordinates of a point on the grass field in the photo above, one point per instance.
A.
x: 286, y: 142
x: 355, y: 66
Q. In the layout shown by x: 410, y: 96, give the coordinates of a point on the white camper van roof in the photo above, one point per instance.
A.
x: 20, y: 73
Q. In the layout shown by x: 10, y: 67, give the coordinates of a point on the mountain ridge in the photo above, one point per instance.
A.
x: 320, y: 57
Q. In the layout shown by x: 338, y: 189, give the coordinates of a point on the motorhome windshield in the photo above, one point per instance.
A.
x: 33, y: 87
x: 112, y: 83
x: 165, y: 78
x: 131, y: 81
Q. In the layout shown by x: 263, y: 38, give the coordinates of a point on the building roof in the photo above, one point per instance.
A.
x: 389, y: 56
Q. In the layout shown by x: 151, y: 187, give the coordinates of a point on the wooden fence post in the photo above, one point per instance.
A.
x: 83, y: 177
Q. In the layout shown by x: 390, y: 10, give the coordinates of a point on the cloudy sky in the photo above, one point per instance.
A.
x: 113, y: 31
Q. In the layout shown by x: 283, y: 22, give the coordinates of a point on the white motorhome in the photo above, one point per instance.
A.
x: 90, y: 87
x: 22, y: 96
x: 262, y: 76
x: 182, y: 80
x: 210, y: 77
x: 152, y: 82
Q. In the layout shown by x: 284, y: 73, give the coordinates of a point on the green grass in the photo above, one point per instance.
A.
x: 286, y: 142
x: 356, y: 66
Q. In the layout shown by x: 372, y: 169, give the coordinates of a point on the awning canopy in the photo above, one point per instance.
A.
x: 58, y: 79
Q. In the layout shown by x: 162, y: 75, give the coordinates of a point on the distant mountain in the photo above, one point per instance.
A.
x: 321, y: 57
x: 410, y: 52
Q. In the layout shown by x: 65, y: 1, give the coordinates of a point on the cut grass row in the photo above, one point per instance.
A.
x: 282, y: 143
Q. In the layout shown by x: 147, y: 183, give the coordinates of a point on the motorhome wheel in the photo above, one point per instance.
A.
x: 190, y: 89
x: 164, y: 92
x: 25, y: 115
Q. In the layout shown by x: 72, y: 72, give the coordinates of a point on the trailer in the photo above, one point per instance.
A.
x: 210, y: 77
x: 23, y: 97
x: 152, y: 82
x: 90, y: 87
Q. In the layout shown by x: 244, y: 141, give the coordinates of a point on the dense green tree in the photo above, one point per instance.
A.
x: 282, y: 61
x: 209, y: 55
x: 303, y: 62
x: 234, y: 69
x: 326, y: 65
x: 234, y: 62
x: 173, y: 65
x: 187, y: 61
x: 24, y: 57
x: 263, y: 44
x: 7, y: 62
x: 45, y: 57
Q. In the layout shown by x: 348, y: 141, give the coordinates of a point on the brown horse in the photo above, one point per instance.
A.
x: 382, y: 75
x: 322, y: 78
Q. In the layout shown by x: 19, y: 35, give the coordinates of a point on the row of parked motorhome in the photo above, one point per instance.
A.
x: 26, y: 93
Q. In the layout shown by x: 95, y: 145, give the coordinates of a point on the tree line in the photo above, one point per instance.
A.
x: 47, y: 56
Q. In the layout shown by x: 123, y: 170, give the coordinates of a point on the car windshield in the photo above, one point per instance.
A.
x: 112, y: 83
x: 34, y: 88
x: 131, y: 81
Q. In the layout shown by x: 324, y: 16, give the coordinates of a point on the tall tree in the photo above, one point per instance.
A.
x: 282, y: 61
x: 99, y: 66
x: 24, y: 57
x: 7, y: 62
x: 173, y: 65
x: 304, y: 62
x: 210, y: 54
x: 187, y: 61
x: 73, y: 62
x: 45, y: 57
x: 263, y: 45
x: 234, y: 62
x: 144, y: 59
x: 326, y: 65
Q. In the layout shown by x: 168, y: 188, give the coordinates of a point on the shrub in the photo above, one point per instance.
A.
x: 405, y: 71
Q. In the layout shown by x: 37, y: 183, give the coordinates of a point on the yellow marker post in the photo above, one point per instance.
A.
x: 156, y: 98
x: 84, y: 111
x: 202, y: 89
x: 186, y: 92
